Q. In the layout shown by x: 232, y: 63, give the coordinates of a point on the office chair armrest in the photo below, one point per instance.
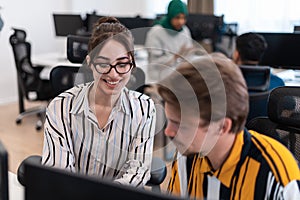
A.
x: 27, y: 69
x: 39, y: 68
x: 158, y: 170
x: 21, y: 169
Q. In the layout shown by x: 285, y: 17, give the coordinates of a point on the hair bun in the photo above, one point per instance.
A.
x: 111, y: 20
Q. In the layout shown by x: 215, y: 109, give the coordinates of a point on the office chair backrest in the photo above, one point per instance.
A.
x: 257, y: 77
x: 4, y: 190
x: 284, y: 106
x: 28, y: 76
x: 21, y: 48
x: 65, y: 77
x: 137, y: 80
x: 283, y: 119
x: 258, y: 104
x: 77, y: 48
x: 258, y: 81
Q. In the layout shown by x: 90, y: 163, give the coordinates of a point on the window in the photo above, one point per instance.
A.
x: 260, y: 16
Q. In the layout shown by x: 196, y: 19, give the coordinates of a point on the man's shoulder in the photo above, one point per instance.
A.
x: 275, y: 81
x: 276, y: 78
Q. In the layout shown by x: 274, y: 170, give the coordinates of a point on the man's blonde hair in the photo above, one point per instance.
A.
x: 216, y: 85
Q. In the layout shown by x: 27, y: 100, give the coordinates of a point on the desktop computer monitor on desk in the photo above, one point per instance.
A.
x: 66, y: 24
x: 282, y: 54
x: 205, y: 26
x: 282, y: 50
x: 48, y: 183
x: 138, y: 26
x: 90, y: 20
x: 3, y: 173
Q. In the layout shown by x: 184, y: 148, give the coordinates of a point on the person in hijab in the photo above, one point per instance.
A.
x: 168, y: 40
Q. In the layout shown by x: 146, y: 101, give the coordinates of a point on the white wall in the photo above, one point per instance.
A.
x: 144, y: 8
x: 35, y: 16
x: 111, y: 7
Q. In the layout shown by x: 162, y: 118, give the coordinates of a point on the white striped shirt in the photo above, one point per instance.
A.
x: 121, y: 151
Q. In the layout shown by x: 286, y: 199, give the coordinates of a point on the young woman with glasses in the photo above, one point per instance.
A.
x: 101, y: 128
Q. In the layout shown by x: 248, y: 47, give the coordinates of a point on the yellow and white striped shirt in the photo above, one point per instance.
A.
x: 258, y: 167
x: 121, y: 151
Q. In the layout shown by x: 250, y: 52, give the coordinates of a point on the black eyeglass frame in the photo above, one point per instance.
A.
x: 113, y: 66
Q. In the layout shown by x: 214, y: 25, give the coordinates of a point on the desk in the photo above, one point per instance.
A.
x: 50, y: 60
x: 289, y: 76
x: 16, y: 190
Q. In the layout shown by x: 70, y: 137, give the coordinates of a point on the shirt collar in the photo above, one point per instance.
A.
x: 81, y: 102
x: 226, y: 171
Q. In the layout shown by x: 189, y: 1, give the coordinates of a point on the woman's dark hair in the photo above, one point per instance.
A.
x: 107, y: 28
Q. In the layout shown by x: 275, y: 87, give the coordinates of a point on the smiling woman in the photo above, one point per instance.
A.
x: 101, y: 128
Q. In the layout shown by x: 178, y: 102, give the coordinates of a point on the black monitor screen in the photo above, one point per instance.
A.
x: 66, y: 24
x: 91, y: 19
x: 138, y: 26
x: 48, y: 183
x: 3, y: 173
x: 204, y: 26
x: 77, y: 48
x: 135, y: 22
x: 139, y: 35
x: 296, y: 29
x: 282, y: 50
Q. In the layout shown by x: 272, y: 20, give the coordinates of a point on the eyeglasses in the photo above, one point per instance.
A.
x: 105, y: 68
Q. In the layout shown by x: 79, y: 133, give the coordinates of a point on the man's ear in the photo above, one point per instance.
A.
x: 236, y: 57
x: 226, y: 126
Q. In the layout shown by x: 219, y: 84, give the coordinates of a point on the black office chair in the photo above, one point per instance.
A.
x: 283, y: 120
x: 137, y: 80
x: 64, y: 77
x: 258, y: 81
x: 30, y: 85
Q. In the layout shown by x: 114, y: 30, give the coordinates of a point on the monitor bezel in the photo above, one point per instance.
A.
x: 60, y: 28
x: 44, y: 182
x: 4, y: 193
x: 281, y: 53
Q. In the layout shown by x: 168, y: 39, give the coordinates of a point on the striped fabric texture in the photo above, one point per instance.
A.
x: 120, y: 151
x: 258, y: 167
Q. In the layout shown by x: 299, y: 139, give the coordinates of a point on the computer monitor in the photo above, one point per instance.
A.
x: 77, y: 48
x: 66, y: 24
x: 49, y: 183
x: 204, y: 26
x: 296, y: 29
x: 3, y: 173
x: 139, y: 35
x: 282, y: 50
x: 91, y: 19
x: 135, y: 22
x: 138, y: 26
